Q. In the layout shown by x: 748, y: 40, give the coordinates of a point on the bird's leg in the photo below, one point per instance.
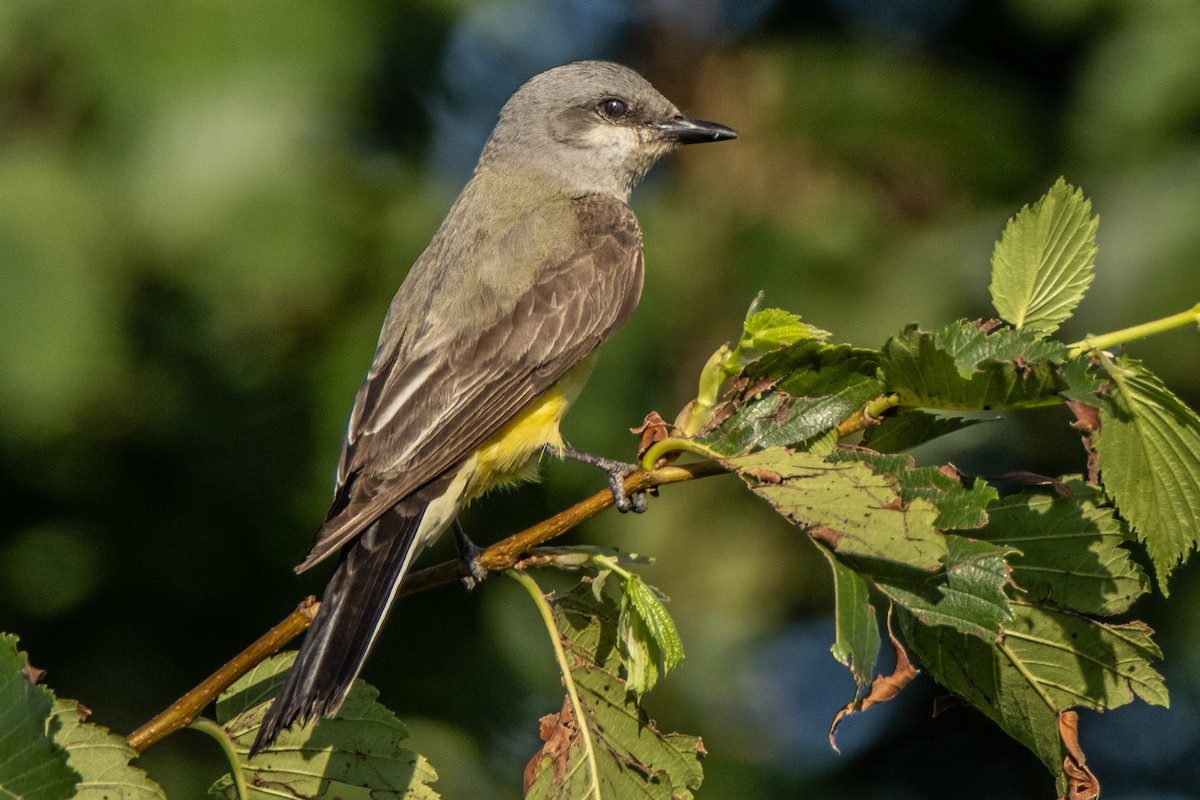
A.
x: 617, y: 471
x: 469, y: 552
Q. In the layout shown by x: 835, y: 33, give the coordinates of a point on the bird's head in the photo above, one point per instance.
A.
x: 595, y: 125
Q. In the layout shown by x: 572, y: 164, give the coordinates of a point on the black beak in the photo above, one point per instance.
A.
x: 693, y: 131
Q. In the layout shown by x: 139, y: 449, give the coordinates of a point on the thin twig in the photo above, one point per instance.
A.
x: 181, y: 713
x: 499, y: 556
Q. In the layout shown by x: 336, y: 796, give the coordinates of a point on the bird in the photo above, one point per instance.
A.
x: 486, y: 344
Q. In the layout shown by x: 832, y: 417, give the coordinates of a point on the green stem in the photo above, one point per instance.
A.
x: 1107, y: 340
x: 674, y: 444
x: 543, y: 608
x: 206, y: 725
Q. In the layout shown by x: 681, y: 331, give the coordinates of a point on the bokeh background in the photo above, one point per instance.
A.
x: 205, y: 207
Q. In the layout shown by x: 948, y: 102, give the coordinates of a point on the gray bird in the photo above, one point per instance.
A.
x: 486, y: 344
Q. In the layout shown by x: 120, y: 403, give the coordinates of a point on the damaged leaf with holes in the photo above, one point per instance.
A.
x: 632, y: 757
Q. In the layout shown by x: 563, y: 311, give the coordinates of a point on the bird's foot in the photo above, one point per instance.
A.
x: 470, y: 554
x: 617, y: 471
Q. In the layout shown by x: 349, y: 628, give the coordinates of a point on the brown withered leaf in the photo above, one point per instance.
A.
x: 1082, y: 783
x: 883, y: 688
x: 1087, y: 421
x: 652, y: 431
x: 558, y: 732
x: 763, y: 475
x: 988, y: 325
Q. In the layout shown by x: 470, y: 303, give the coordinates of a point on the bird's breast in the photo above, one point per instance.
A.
x: 508, y: 457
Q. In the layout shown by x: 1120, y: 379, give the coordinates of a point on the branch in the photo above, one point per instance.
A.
x: 187, y: 708
x: 1107, y: 340
x: 499, y: 556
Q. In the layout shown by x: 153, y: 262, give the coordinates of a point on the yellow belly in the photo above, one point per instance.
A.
x: 508, y: 456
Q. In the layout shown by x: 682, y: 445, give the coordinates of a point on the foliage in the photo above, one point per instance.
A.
x: 47, y: 749
x: 1007, y: 601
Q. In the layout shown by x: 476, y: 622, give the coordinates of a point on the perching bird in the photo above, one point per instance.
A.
x: 488, y: 341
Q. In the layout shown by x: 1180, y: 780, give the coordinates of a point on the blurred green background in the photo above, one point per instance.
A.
x: 206, y: 206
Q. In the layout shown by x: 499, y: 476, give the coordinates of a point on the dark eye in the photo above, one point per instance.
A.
x: 614, y: 108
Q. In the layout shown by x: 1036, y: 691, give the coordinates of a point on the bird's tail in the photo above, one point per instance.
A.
x: 354, y: 606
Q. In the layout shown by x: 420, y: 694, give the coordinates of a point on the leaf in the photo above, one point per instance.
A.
x: 971, y: 600
x: 962, y: 368
x: 911, y: 427
x: 1071, y: 550
x: 354, y: 754
x: 771, y: 328
x: 857, y: 642
x: 1045, y: 662
x: 793, y: 396
x: 633, y: 758
x: 101, y: 758
x: 648, y: 636
x: 957, y: 505
x: 846, y: 506
x: 32, y: 765
x: 1149, y: 451
x: 1045, y: 260
x: 883, y: 689
x: 1082, y: 783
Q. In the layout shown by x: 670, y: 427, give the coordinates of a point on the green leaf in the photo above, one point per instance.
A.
x: 633, y: 758
x: 1045, y: 260
x: 965, y: 369
x: 32, y: 765
x: 857, y: 642
x: 355, y: 754
x: 793, y: 396
x: 1071, y: 550
x: 847, y: 506
x: 771, y: 328
x: 648, y: 636
x: 1045, y: 662
x: 972, y: 599
x: 958, y: 506
x: 101, y: 758
x: 911, y: 427
x: 1149, y: 451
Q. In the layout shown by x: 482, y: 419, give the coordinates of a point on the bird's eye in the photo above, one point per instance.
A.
x: 614, y: 108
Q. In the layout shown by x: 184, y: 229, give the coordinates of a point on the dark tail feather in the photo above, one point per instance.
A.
x: 354, y: 606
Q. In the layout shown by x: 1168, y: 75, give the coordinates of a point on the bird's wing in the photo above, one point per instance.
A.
x: 414, y: 420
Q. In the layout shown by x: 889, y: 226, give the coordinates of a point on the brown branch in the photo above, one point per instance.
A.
x: 188, y: 707
x: 499, y: 556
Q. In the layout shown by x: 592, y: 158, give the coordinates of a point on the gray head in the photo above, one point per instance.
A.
x: 594, y: 125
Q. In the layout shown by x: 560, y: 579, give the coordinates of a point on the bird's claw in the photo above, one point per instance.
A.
x: 623, y: 500
x: 469, y: 553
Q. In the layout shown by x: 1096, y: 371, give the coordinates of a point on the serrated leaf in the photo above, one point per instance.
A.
x: 1149, y: 451
x: 1046, y: 661
x: 354, y: 754
x: 972, y: 598
x: 32, y: 765
x: 773, y: 327
x: 911, y: 427
x: 633, y: 758
x: 961, y: 368
x: 793, y: 396
x: 846, y: 506
x: 101, y: 758
x: 958, y: 506
x: 857, y: 642
x: 971, y: 346
x: 1045, y: 260
x: 1071, y: 550
x: 648, y: 636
